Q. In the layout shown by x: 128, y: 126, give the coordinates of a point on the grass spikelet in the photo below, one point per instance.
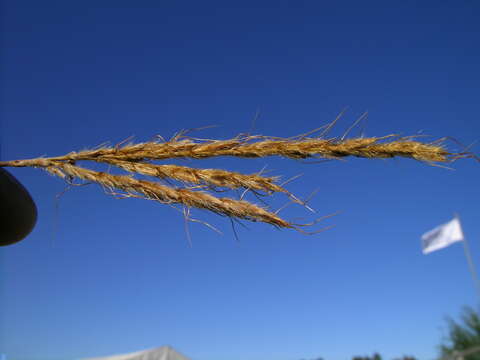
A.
x: 167, y: 195
x: 255, y: 147
x: 137, y: 159
x: 214, y: 177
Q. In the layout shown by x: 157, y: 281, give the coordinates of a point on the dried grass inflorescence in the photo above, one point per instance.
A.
x: 137, y: 159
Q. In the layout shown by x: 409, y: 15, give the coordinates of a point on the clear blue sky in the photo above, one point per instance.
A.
x: 119, y: 276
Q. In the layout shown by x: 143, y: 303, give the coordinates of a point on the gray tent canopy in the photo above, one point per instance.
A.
x: 161, y: 353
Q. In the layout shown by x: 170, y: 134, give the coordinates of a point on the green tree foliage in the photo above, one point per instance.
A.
x: 463, y: 335
x: 375, y: 356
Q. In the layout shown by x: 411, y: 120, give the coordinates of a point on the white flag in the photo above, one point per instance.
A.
x: 442, y: 236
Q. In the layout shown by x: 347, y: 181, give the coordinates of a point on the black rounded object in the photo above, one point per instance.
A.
x: 18, y: 212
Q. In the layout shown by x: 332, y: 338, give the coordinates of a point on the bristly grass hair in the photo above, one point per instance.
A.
x: 201, y: 186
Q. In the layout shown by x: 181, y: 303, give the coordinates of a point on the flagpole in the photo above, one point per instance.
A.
x: 471, y: 265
